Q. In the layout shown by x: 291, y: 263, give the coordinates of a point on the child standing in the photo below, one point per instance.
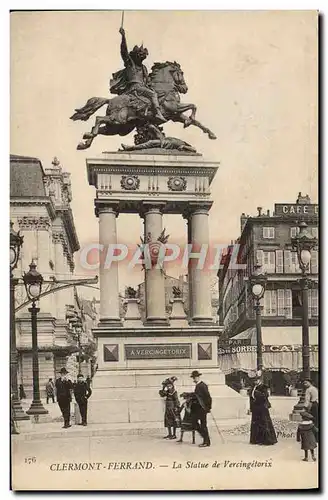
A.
x: 172, y: 406
x: 306, y: 434
x: 187, y: 422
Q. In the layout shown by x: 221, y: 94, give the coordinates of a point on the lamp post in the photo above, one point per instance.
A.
x: 303, y: 243
x: 257, y: 283
x: 16, y: 242
x: 33, y: 284
x: 78, y: 330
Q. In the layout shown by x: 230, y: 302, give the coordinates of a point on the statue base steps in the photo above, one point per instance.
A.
x: 131, y: 396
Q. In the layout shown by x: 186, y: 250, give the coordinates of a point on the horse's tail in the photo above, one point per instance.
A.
x: 89, y: 108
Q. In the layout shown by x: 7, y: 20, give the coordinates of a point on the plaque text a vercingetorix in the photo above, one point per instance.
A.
x: 159, y: 351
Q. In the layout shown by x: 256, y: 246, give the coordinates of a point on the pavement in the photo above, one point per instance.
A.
x: 147, y: 462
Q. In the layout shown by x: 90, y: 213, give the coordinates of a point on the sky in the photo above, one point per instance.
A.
x: 251, y: 74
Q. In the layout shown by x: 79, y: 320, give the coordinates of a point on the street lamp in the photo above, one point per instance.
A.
x: 33, y: 284
x: 304, y: 243
x: 16, y: 242
x: 257, y: 283
x: 78, y: 329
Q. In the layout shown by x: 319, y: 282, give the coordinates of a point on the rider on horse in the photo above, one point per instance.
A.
x: 134, y: 78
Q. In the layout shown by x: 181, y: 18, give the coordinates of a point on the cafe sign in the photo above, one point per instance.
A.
x: 265, y: 348
x: 296, y: 209
x: 158, y: 351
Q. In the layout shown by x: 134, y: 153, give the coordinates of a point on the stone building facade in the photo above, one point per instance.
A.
x: 266, y: 239
x: 40, y: 208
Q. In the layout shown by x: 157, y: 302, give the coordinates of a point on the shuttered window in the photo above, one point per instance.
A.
x: 314, y: 262
x: 287, y: 261
x: 270, y: 303
x: 279, y: 261
x: 259, y: 257
x: 288, y: 303
x: 313, y: 302
x: 269, y: 262
x: 268, y: 232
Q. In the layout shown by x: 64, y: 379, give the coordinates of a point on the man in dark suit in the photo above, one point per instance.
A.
x: 64, y: 397
x: 201, y: 406
x: 82, y: 392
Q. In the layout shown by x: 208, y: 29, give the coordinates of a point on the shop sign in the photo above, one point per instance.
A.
x: 296, y: 209
x: 265, y: 348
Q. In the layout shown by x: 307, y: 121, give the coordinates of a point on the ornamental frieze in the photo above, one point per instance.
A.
x: 177, y: 183
x: 33, y: 223
x: 130, y: 182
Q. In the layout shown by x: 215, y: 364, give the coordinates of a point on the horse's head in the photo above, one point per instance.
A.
x: 178, y: 78
x: 168, y: 75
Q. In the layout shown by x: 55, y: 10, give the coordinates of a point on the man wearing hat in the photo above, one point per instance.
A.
x: 201, y: 406
x: 63, y: 388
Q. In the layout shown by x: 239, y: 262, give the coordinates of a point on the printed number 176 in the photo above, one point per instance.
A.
x: 30, y: 460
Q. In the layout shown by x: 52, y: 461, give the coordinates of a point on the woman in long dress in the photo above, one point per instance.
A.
x: 262, y: 430
x: 172, y: 409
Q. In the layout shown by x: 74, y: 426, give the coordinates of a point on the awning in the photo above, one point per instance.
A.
x: 282, y: 350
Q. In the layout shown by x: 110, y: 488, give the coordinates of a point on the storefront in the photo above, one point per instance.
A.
x: 282, y: 356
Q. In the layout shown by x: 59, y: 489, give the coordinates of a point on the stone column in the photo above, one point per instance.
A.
x: 154, y: 277
x: 201, y: 308
x: 108, y: 276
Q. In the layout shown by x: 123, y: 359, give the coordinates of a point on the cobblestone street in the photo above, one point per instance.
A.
x: 64, y: 463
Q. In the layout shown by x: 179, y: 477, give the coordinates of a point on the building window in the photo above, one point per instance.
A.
x: 284, y: 303
x: 291, y: 264
x: 297, y: 304
x: 268, y: 232
x: 279, y: 261
x: 294, y: 231
x: 267, y: 260
x: 313, y: 302
x: 270, y: 303
x: 314, y: 262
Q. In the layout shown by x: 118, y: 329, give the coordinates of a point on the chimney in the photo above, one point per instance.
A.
x: 259, y: 209
x: 243, y: 220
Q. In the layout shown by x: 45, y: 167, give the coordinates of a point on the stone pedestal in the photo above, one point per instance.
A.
x: 178, y: 317
x: 134, y: 359
x: 132, y: 317
x: 131, y: 369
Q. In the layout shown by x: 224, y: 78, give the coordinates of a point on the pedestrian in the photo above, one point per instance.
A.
x: 172, y: 407
x: 262, y: 430
x: 63, y: 388
x: 307, y: 435
x: 50, y: 390
x: 187, y: 421
x: 88, y: 381
x: 311, y: 403
x: 13, y: 427
x: 22, y: 394
x: 201, y: 406
x: 82, y: 392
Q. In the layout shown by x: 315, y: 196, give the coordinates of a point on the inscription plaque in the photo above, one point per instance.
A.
x: 158, y: 351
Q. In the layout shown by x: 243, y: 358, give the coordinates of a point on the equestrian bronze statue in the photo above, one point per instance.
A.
x: 143, y: 101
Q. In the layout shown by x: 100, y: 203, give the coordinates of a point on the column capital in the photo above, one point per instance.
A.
x: 197, y: 207
x: 107, y: 207
x: 151, y: 206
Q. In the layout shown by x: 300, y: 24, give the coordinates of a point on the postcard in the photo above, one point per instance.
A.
x: 164, y: 264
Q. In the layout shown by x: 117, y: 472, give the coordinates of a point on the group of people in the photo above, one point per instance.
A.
x: 82, y: 392
x: 262, y: 429
x: 51, y: 389
x: 196, y: 406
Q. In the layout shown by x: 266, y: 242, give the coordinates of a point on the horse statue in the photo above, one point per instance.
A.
x: 130, y: 111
